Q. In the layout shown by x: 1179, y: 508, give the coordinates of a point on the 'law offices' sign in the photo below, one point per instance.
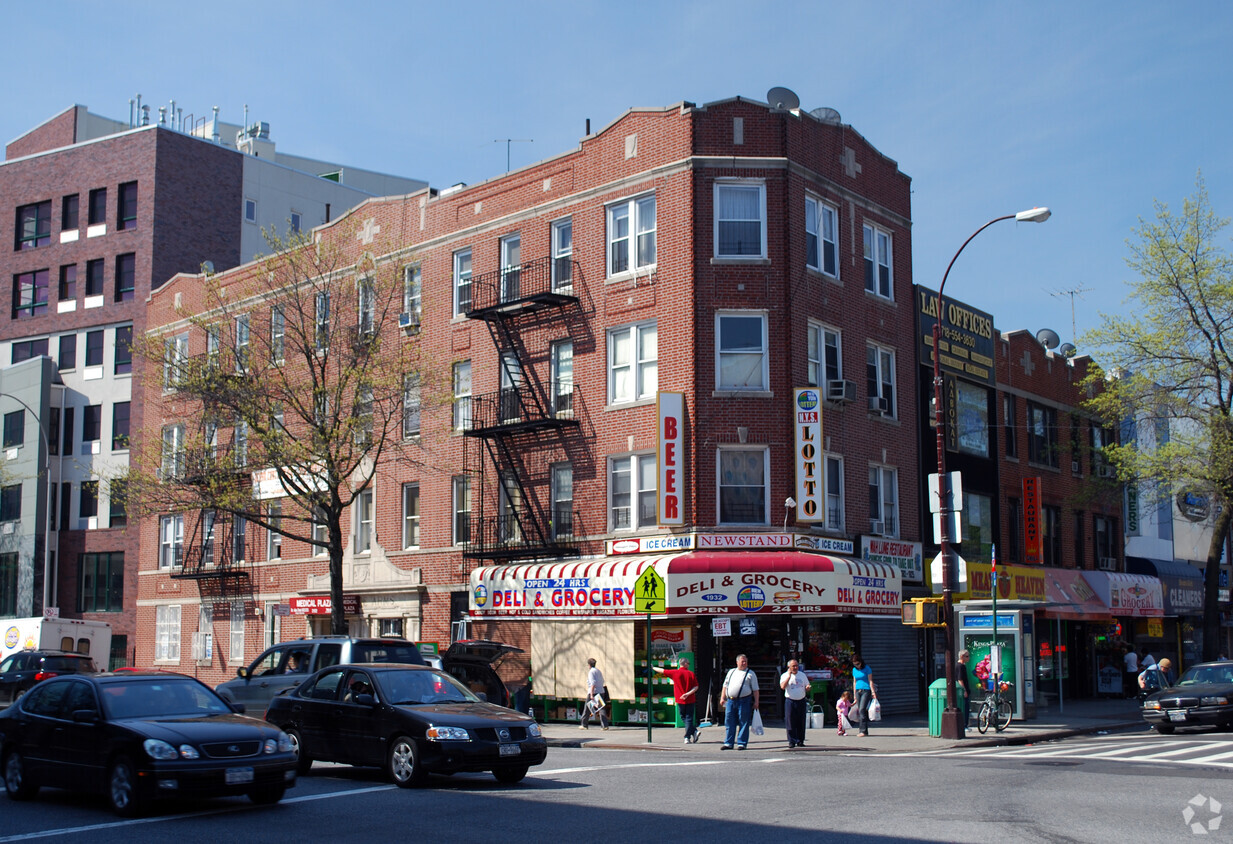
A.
x: 966, y: 341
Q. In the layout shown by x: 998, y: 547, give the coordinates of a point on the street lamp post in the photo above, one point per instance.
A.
x: 952, y: 726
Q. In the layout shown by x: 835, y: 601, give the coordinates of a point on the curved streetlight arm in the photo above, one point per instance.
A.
x: 946, y: 275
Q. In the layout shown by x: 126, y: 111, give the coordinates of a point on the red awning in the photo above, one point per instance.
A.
x: 1069, y: 596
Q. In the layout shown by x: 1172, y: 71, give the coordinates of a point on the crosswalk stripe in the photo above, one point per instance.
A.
x: 1188, y: 748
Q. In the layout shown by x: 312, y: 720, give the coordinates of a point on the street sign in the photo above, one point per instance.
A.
x: 650, y: 593
x: 935, y: 572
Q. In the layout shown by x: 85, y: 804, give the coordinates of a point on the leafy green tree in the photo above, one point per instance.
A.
x: 1168, y: 365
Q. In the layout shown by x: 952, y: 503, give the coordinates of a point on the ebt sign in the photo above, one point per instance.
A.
x: 807, y: 419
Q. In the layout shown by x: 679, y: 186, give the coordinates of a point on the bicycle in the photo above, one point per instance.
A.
x: 995, y: 709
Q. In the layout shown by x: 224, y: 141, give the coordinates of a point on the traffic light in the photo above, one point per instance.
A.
x: 924, y: 612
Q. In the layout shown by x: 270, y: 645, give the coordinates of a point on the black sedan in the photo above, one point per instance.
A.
x: 136, y: 737
x: 1203, y: 696
x: 410, y: 720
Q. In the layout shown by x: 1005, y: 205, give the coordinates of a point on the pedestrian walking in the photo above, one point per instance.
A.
x: 961, y: 683
x: 739, y: 698
x: 1130, y: 662
x: 685, y: 692
x: 597, y: 697
x: 843, y: 707
x: 795, y: 686
x: 866, y: 692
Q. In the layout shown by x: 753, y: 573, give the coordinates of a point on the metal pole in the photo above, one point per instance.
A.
x: 649, y: 691
x: 997, y: 676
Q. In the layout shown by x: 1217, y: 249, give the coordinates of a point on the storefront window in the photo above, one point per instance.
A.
x: 973, y: 419
x: 977, y: 527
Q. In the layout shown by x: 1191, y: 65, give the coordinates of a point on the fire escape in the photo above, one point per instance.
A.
x: 215, y: 552
x: 526, y: 416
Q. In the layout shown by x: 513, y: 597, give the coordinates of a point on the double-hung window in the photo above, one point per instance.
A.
x: 410, y: 515
x: 741, y: 351
x: 410, y: 405
x: 124, y: 350
x: 91, y: 424
x: 878, y: 278
x: 363, y: 522
x: 366, y: 306
x: 236, y: 651
x: 562, y: 491
x: 30, y: 291
x: 241, y: 342
x: 883, y: 501
x: 98, y: 207
x: 824, y: 354
x: 274, y: 539
x: 175, y: 357
x: 120, y: 413
x: 412, y: 293
x: 239, y: 444
x: 127, y: 211
x: 633, y: 363
x: 173, y: 452
x: 278, y: 335
x: 33, y: 225
x: 740, y: 219
x: 94, y: 348
x: 69, y: 212
x: 631, y: 491
x: 562, y: 255
x: 631, y: 235
x: 1042, y: 434
x: 10, y: 503
x: 880, y: 379
x: 462, y: 510
x: 462, y: 281
x: 744, y: 476
x: 563, y: 379
x: 821, y: 237
x: 14, y: 428
x: 94, y: 277
x: 834, y: 492
x: 1010, y: 419
x: 462, y: 395
x: 511, y: 268
x: 1104, y: 531
x: 68, y: 282
x: 171, y: 541
x: 167, y: 633
x: 322, y: 321
x: 117, y: 502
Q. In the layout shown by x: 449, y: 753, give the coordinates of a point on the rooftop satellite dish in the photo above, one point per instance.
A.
x: 1048, y: 338
x: 826, y: 115
x: 1068, y: 349
x: 783, y: 98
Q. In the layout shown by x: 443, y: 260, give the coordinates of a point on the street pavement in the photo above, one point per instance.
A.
x: 893, y: 734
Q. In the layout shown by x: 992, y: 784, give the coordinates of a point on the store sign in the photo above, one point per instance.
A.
x: 267, y: 484
x: 906, y: 556
x: 1015, y: 583
x: 323, y: 605
x: 1032, y: 549
x: 825, y: 544
x: 807, y: 423
x: 741, y: 541
x: 966, y: 342
x: 721, y: 627
x: 853, y: 587
x: 651, y: 544
x: 505, y: 591
x: 670, y: 498
x: 1132, y: 510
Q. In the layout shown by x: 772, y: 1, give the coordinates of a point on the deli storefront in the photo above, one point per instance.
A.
x: 772, y: 605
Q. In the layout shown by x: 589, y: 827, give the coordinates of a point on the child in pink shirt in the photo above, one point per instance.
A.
x: 842, y: 706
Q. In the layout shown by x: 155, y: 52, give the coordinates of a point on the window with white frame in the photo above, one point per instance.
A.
x: 511, y: 267
x: 322, y: 321
x: 175, y: 357
x: 562, y: 491
x: 741, y: 352
x: 363, y: 522
x: 511, y: 381
x: 363, y: 410
x: 744, y: 481
x: 173, y: 451
x: 241, y: 343
x: 633, y: 363
x: 631, y: 235
x: 208, y: 517
x: 631, y: 486
x: 563, y: 379
x: 214, y: 344
x: 410, y: 515
x: 834, y: 492
x: 236, y: 651
x: 321, y: 533
x: 366, y: 305
x: 240, y: 444
x: 462, y: 509
x: 740, y: 219
x: 824, y: 352
x: 203, y: 642
x: 167, y: 633
x: 462, y: 281
x: 878, y: 278
x: 880, y: 379
x: 821, y: 237
x: 171, y: 541
x: 462, y: 395
x: 278, y: 334
x: 250, y: 210
x: 274, y: 539
x: 883, y: 501
x: 412, y: 292
x: 509, y: 509
x: 562, y: 255
x: 410, y: 405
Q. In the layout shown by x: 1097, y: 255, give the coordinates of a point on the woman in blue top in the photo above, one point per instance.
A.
x: 862, y: 682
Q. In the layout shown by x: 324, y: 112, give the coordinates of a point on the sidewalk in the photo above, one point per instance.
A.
x: 893, y: 734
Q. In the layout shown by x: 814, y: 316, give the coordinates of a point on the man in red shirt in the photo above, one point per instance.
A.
x: 685, y: 690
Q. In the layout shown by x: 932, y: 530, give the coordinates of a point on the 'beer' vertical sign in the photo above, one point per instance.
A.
x: 670, y: 506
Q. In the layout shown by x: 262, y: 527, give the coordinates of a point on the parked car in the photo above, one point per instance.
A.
x: 474, y: 663
x: 287, y: 664
x: 1202, y: 696
x: 21, y: 670
x: 410, y: 720
x: 136, y: 737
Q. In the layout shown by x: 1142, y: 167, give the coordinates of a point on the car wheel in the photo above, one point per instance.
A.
x: 1165, y: 729
x: 403, y: 762
x: 18, y: 785
x: 510, y: 776
x: 122, y: 793
x: 302, y: 760
x: 268, y: 795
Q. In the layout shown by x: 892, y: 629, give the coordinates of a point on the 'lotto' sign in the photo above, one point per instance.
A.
x: 670, y: 502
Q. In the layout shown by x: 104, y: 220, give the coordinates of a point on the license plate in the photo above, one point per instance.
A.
x: 238, y: 776
x: 1177, y: 715
x: 510, y: 749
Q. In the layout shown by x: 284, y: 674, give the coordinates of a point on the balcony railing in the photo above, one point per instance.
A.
x: 530, y: 286
x: 522, y: 408
x: 514, y: 535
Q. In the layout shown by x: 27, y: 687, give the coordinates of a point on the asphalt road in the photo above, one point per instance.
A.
x: 1129, y: 787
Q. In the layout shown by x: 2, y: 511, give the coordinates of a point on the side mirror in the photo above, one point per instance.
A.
x: 237, y: 708
x: 242, y: 672
x: 482, y: 696
x: 85, y: 716
x: 366, y: 700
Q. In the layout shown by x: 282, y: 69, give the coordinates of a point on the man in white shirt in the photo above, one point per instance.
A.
x: 1131, y: 661
x: 739, y: 698
x: 597, y: 697
x: 795, y: 686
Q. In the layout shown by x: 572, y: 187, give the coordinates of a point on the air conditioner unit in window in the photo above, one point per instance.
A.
x: 875, y: 527
x: 1107, y: 563
x: 840, y: 391
x: 877, y: 404
x: 408, y: 320
x: 1074, y: 466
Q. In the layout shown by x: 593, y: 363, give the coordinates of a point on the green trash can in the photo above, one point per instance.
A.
x: 937, y: 703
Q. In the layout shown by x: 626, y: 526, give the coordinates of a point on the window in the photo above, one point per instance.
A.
x: 239, y: 444
x: 203, y: 639
x: 1010, y: 418
x: 878, y: 263
x: 167, y: 633
x: 462, y: 282
x: 412, y: 293
x: 509, y: 509
x: 250, y: 210
x: 30, y: 294
x: 511, y: 381
x: 976, y: 526
x: 462, y: 395
x: 633, y: 363
x: 88, y: 505
x: 821, y: 237
x: 68, y: 283
x: 278, y: 332
x: 119, y: 425
x: 14, y: 428
x: 92, y: 423
x: 740, y: 220
x: 241, y: 343
x: 972, y: 418
x: 274, y: 539
x: 362, y: 411
x: 173, y: 452
x: 883, y: 501
x: 124, y: 350
x: 208, y: 520
x: 562, y: 491
x: 214, y: 346
x: 98, y: 206
x: 880, y: 378
x: 27, y: 349
x: 563, y: 379
x: 94, y: 277
x: 8, y: 584
x: 562, y: 255
x: 239, y: 539
x: 117, y: 502
x: 744, y: 478
x: 126, y: 277
x: 235, y: 652
x: 1051, y: 534
x: 634, y: 219
x: 33, y: 225
x: 741, y: 352
x: 53, y: 430
x: 834, y: 493
x: 69, y: 206
x: 321, y: 532
x: 69, y: 423
x: 1042, y: 434
x: 10, y: 503
x: 66, y: 504
x: 462, y: 509
x: 511, y: 268
x: 631, y: 491
x: 366, y: 305
x: 410, y: 515
x: 1076, y: 445
x: 128, y: 206
x: 296, y: 220
x: 1015, y: 522
x: 823, y: 353
x: 1105, y: 532
x: 322, y: 317
x: 171, y: 542
x: 410, y: 405
x: 1100, y: 437
x: 100, y: 582
x: 67, y: 357
x: 175, y: 356
x: 391, y: 627
x: 1080, y: 550
x: 94, y: 348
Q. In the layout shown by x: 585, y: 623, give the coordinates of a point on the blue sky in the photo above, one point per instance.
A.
x: 1092, y: 108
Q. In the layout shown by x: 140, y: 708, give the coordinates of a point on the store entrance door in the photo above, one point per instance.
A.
x: 765, y: 642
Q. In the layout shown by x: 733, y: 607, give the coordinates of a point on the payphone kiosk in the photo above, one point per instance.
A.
x: 1016, y: 651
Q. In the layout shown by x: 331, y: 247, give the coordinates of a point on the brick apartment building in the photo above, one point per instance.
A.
x: 104, y: 212
x: 620, y: 329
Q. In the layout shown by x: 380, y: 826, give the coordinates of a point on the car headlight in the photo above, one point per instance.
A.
x: 1152, y: 704
x: 270, y: 746
x: 533, y: 730
x: 1214, y: 700
x: 158, y: 749
x: 448, y: 734
x: 284, y: 743
x: 187, y: 751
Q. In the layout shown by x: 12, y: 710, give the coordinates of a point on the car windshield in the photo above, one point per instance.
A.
x: 160, y: 697
x: 69, y: 664
x: 410, y: 688
x: 1201, y: 674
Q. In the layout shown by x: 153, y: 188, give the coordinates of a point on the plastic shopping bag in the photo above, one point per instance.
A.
x: 845, y: 723
x: 875, y: 710
x: 757, y: 723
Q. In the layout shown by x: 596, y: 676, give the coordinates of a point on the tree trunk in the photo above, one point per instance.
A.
x: 1211, y: 585
x: 338, y: 619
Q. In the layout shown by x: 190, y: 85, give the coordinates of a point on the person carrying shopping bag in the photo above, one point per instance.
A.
x: 739, y: 697
x: 866, y: 693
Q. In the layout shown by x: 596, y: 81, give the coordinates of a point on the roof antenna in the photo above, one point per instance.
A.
x: 1078, y: 291
x: 507, y: 142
